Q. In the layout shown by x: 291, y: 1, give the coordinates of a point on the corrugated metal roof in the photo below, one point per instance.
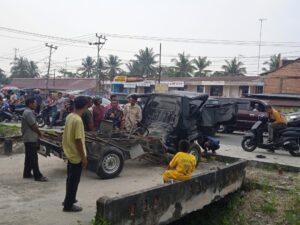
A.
x: 57, y: 84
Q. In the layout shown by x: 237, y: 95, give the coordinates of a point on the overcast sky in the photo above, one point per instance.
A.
x: 203, y: 20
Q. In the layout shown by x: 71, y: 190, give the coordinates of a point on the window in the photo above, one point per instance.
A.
x: 216, y: 90
x: 200, y: 88
x: 244, y: 90
x: 259, y: 89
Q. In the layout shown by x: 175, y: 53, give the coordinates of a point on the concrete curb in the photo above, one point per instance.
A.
x: 260, y: 164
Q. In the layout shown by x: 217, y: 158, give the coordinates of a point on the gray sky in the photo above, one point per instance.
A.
x: 204, y: 20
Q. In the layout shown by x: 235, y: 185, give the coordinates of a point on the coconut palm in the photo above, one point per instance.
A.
x: 183, y: 66
x: 201, y: 63
x: 234, y: 67
x: 146, y: 62
x: 88, y: 66
x: 33, y: 69
x: 133, y: 68
x: 22, y: 68
x: 112, y: 65
x: 273, y: 64
x: 3, y: 78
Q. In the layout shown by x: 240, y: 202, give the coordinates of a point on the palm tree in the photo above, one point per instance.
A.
x: 273, y: 64
x: 22, y: 68
x: 146, y: 61
x: 3, y: 78
x: 183, y: 66
x: 33, y: 69
x: 112, y: 65
x: 234, y: 67
x: 88, y: 66
x: 201, y: 63
x: 133, y: 68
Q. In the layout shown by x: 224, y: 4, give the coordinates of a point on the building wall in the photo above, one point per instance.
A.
x: 284, y: 80
x: 234, y: 91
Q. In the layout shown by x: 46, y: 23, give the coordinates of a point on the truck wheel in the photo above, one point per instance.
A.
x: 196, y: 151
x: 248, y: 144
x: 111, y: 163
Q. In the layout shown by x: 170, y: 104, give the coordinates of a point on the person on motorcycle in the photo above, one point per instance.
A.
x: 278, y: 122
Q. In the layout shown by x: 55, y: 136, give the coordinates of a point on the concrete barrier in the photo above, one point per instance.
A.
x: 169, y: 202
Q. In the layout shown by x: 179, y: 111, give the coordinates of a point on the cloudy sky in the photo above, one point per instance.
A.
x: 218, y: 29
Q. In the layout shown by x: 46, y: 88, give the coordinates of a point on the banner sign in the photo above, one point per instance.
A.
x: 176, y: 84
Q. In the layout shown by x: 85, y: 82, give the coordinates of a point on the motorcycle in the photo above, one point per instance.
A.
x: 9, y: 114
x: 43, y: 118
x: 287, y: 139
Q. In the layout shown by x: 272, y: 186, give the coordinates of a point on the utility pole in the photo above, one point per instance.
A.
x: 49, y: 63
x: 66, y: 65
x: 259, y: 45
x: 16, y: 49
x: 54, y: 78
x: 101, y: 39
x: 159, y: 69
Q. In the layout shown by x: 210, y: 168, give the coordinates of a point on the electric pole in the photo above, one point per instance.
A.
x: 66, y: 65
x: 259, y: 45
x: 49, y: 63
x: 16, y: 49
x: 101, y: 39
x: 159, y: 68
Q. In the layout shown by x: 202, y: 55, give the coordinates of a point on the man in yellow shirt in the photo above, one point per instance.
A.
x: 279, y: 122
x: 74, y: 149
x: 182, y: 165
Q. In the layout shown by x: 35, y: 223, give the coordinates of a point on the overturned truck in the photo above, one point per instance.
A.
x: 167, y: 119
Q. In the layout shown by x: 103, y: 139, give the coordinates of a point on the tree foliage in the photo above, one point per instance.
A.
x: 145, y: 62
x: 113, y: 66
x: 273, y: 63
x: 201, y: 63
x: 183, y: 66
x: 88, y: 67
x: 3, y: 78
x: 234, y: 67
x: 22, y: 68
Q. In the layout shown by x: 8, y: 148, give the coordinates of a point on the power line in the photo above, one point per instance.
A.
x: 155, y: 38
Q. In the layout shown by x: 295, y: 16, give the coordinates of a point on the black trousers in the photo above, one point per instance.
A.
x: 31, y: 160
x: 73, y: 179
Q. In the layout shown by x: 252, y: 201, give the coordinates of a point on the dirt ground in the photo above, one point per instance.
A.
x: 26, y: 202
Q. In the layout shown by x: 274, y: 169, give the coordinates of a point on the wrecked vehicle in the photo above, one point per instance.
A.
x: 167, y: 118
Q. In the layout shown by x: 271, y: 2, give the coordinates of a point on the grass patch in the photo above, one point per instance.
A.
x: 100, y: 221
x: 292, y: 213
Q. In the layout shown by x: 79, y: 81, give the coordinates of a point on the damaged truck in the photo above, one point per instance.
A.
x: 167, y: 118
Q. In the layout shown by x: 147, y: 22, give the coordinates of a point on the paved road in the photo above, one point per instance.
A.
x: 231, y: 146
x: 230, y: 139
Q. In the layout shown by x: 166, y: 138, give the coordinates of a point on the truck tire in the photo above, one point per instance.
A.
x: 195, y: 150
x: 110, y: 164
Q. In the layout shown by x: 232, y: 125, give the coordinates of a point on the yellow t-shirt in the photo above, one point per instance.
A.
x: 74, y: 129
x: 184, y: 164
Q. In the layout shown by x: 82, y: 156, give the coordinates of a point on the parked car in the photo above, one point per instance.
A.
x: 249, y: 110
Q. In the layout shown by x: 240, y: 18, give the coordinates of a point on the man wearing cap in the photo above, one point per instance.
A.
x: 132, y: 113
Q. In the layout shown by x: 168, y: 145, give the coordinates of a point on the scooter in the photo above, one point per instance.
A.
x: 7, y: 114
x: 287, y: 139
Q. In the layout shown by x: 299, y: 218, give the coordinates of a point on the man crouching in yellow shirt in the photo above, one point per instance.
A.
x: 182, y: 165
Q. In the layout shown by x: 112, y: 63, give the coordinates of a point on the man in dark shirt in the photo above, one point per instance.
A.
x: 87, y: 117
x: 31, y: 134
x: 114, y: 114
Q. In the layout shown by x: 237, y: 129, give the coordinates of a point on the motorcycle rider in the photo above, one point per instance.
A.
x: 278, y: 122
